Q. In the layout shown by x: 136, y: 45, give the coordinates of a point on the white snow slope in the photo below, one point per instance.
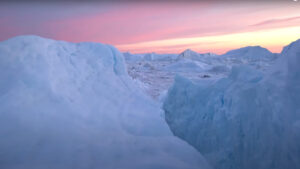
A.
x: 73, y: 106
x: 249, y: 120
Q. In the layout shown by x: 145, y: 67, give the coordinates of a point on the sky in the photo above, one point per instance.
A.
x: 158, y: 27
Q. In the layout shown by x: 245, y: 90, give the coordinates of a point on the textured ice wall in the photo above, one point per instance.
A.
x: 248, y: 120
x: 73, y: 106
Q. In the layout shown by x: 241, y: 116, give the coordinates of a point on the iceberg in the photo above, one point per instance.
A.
x: 250, y: 53
x: 192, y: 55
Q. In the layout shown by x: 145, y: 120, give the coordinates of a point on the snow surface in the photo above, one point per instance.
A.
x: 157, y: 74
x: 248, y: 120
x: 129, y: 57
x: 185, y: 66
x: 73, y: 106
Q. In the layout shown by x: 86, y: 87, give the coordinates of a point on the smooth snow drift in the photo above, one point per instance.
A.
x: 249, y: 120
x: 73, y: 106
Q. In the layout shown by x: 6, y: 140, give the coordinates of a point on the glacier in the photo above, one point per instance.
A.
x: 72, y: 105
x: 248, y: 119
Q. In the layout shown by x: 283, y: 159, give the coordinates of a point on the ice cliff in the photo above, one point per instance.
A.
x: 73, y: 106
x: 250, y: 119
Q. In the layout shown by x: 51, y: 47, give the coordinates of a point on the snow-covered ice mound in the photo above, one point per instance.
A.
x: 129, y: 57
x: 163, y: 57
x: 73, y: 106
x: 185, y: 66
x: 250, y: 120
x: 250, y: 53
x: 219, y: 69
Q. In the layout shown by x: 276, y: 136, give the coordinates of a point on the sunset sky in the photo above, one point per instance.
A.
x: 158, y: 27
